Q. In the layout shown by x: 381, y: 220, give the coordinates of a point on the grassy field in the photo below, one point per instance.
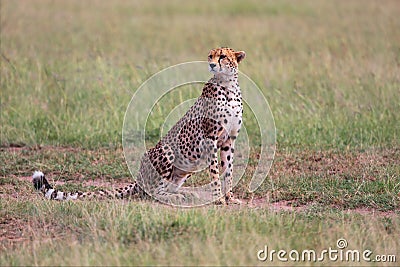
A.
x: 330, y: 71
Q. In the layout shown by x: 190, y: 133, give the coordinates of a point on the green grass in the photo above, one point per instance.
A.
x: 98, y: 233
x: 329, y: 70
x: 294, y: 177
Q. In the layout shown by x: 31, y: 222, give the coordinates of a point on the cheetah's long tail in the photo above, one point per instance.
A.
x: 41, y: 184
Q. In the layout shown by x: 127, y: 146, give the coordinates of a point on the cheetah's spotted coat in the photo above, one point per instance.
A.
x: 211, y: 124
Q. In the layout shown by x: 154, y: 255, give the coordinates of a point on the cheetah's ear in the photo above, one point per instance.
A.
x: 240, y: 55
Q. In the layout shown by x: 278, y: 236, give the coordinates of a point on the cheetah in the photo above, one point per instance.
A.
x: 212, y: 124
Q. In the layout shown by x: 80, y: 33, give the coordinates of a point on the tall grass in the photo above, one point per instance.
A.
x: 115, y: 233
x: 330, y: 71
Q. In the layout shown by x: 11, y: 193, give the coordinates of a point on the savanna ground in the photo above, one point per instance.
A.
x: 329, y: 69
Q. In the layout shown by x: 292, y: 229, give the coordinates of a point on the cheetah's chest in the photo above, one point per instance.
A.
x: 232, y: 109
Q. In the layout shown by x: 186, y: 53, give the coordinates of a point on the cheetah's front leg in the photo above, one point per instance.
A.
x: 227, y: 152
x: 214, y: 172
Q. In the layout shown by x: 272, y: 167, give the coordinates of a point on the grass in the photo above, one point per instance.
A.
x: 329, y: 178
x: 98, y: 233
x: 358, y: 203
x: 329, y: 70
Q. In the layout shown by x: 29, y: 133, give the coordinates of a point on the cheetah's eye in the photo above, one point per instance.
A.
x: 210, y: 57
x: 222, y: 56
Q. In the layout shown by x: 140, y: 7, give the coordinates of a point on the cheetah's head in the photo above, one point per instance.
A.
x: 224, y: 61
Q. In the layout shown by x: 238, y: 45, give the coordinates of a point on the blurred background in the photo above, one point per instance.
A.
x: 329, y: 69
